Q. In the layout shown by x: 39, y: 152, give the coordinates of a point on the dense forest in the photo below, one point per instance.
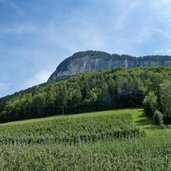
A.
x: 97, y: 90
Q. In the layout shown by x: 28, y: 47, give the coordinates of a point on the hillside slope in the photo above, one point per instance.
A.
x: 82, y: 62
x: 93, y: 91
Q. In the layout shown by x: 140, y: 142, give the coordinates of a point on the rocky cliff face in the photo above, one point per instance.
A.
x: 82, y: 62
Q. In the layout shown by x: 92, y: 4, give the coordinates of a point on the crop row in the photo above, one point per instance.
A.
x: 121, y: 155
x: 71, y: 130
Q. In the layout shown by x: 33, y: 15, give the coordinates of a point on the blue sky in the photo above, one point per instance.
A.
x: 36, y: 35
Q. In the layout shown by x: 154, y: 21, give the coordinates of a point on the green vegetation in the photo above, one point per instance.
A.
x: 150, y: 104
x: 157, y: 103
x: 72, y: 130
x: 127, y: 139
x: 158, y: 118
x: 93, y: 91
x: 48, y: 143
x: 165, y: 98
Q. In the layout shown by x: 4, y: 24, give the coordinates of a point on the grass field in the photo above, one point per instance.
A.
x: 108, y: 140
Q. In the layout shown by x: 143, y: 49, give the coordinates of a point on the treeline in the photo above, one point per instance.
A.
x: 93, y: 91
x: 101, y: 54
x: 107, y: 56
x: 157, y: 103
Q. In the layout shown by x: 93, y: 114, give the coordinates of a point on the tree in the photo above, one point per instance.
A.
x: 150, y: 104
x: 158, y: 118
x: 165, y: 97
x: 74, y: 97
x: 62, y: 98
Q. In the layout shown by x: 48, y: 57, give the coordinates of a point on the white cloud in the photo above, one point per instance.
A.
x: 163, y: 52
x: 124, y: 12
x: 40, y: 77
x: 165, y: 33
x: 127, y: 26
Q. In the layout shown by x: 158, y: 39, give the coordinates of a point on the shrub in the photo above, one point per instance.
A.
x: 165, y: 98
x: 150, y: 104
x: 158, y: 118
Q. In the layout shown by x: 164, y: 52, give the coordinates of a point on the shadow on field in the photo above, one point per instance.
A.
x: 143, y: 120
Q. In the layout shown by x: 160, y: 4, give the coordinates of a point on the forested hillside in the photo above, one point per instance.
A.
x: 98, y: 90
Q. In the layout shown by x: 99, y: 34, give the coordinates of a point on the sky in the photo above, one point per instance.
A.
x: 36, y: 35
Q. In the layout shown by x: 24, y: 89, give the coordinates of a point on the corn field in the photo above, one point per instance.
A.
x: 71, y: 131
x: 109, y: 142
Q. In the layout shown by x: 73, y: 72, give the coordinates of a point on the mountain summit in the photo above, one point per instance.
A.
x: 82, y: 62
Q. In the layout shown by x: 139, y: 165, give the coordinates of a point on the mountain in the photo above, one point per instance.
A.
x: 82, y: 62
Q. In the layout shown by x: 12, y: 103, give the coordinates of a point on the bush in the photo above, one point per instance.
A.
x: 150, y: 104
x: 158, y: 118
x: 165, y: 98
